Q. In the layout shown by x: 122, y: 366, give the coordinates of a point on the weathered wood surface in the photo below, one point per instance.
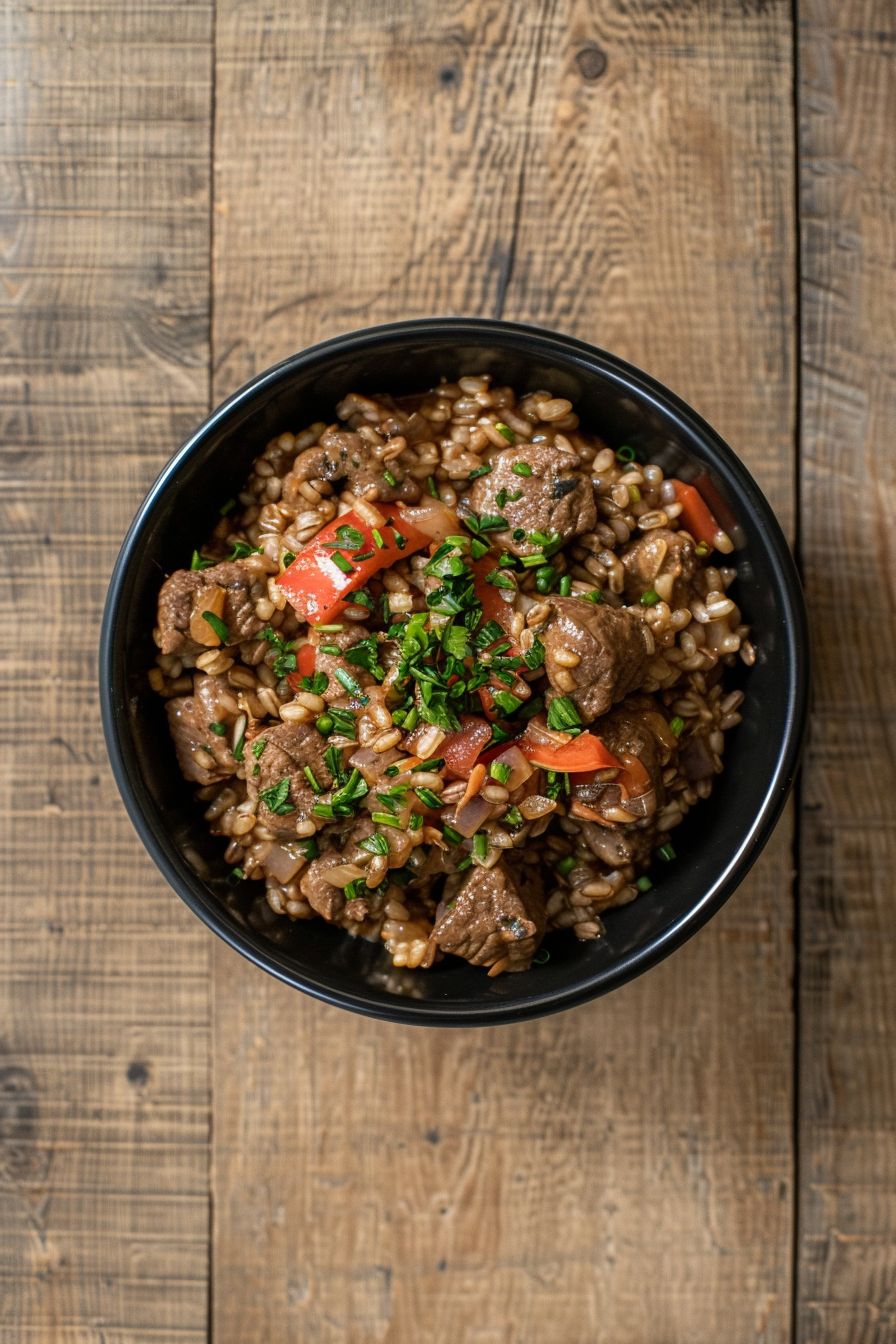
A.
x: 625, y: 1169
x: 847, y: 1131
x: 104, y: 1075
x: 258, y: 1166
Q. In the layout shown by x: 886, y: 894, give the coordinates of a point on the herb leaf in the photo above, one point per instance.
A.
x: 276, y: 798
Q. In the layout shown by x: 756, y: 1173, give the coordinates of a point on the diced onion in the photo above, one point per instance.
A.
x: 434, y: 518
x: 341, y: 874
x: 282, y: 862
x: 470, y: 817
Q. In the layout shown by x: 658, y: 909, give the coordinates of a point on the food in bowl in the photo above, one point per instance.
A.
x: 450, y: 671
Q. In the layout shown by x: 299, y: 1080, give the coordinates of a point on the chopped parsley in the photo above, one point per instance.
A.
x: 201, y: 561
x: 241, y: 549
x: 285, y: 659
x: 316, y: 684
x: 276, y: 798
x: 500, y: 771
x: 219, y: 729
x: 348, y: 683
x: 346, y: 538
x: 366, y: 654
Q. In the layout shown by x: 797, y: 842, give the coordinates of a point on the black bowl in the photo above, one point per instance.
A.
x: 716, y: 845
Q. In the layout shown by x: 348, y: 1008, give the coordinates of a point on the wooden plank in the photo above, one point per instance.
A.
x: 104, y: 1077
x: 625, y: 1168
x: 847, y: 1136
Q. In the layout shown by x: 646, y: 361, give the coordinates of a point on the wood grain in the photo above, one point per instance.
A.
x: 104, y: 1078
x: 847, y: 1217
x: 622, y: 1172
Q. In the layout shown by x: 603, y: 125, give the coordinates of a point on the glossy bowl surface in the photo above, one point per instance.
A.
x: 718, y: 842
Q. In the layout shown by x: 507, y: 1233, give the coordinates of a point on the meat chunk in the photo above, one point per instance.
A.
x: 330, y: 901
x: 288, y: 749
x: 343, y: 455
x: 613, y: 646
x: 627, y: 732
x: 488, y: 916
x: 329, y: 662
x: 619, y: 846
x: 203, y: 753
x: 191, y: 590
x: 663, y: 560
x: 557, y: 497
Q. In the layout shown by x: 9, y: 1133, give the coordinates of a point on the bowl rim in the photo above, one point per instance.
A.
x: 202, y: 900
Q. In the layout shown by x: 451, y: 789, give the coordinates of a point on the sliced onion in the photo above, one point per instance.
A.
x: 434, y: 518
x: 341, y: 874
x: 538, y: 732
x: 469, y: 818
x: 282, y: 862
x: 372, y: 764
x: 520, y: 768
x: 536, y: 805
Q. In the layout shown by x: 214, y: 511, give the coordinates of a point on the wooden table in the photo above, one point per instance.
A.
x: 190, y: 1151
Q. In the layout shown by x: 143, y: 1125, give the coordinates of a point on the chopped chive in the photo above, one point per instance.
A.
x: 595, y: 596
x: 389, y: 478
x: 513, y: 816
x: 355, y: 890
x: 374, y: 844
x: 666, y: 853
x: 327, y: 629
x: 432, y: 487
x: 340, y: 561
x: 563, y: 716
x: 505, y: 431
x: 385, y: 819
x: 452, y: 836
x: 410, y: 719
x: 242, y: 549
x: 312, y: 779
x: 309, y: 848
x: 200, y: 561
x: 227, y: 507
x: 219, y: 729
x: 465, y: 863
x: 364, y: 555
x: 416, y: 821
x: 431, y: 764
x: 500, y: 771
x: 330, y: 648
x: 219, y: 626
x: 480, y: 845
x: 625, y: 454
x: 531, y: 561
x: 429, y: 799
x: 565, y: 866
x: 377, y: 538
x: 544, y: 579
x: 287, y: 558
x: 400, y: 540
x: 542, y: 957
x: 644, y: 884
x: 500, y: 580
x: 650, y: 598
x: 348, y: 683
x: 237, y: 875
x: 521, y: 469
x: 347, y: 538
x: 564, y: 587
x: 676, y: 725
x: 238, y: 748
x: 480, y: 471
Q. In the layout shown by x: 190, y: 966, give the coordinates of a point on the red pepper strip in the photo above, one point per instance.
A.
x: 580, y: 754
x: 695, y: 515
x: 461, y: 750
x: 315, y: 585
x: 494, y: 608
x: 306, y: 659
x: 714, y: 502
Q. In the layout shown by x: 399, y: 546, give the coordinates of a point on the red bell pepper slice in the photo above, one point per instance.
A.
x: 494, y: 608
x: 578, y: 755
x: 317, y: 586
x: 306, y: 660
x: 695, y: 515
